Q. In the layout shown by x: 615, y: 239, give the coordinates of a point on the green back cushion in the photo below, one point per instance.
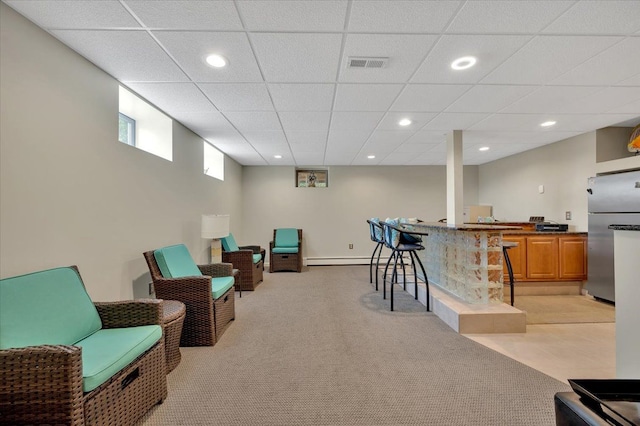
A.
x: 47, y: 307
x: 229, y: 243
x: 175, y: 262
x: 286, y: 237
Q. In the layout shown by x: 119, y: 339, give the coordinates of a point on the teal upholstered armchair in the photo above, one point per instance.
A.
x: 206, y: 290
x: 67, y: 360
x: 249, y: 260
x: 285, y: 251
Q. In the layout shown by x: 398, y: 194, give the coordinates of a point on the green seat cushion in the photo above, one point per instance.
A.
x: 220, y: 285
x: 176, y: 262
x: 286, y: 237
x: 46, y: 307
x: 257, y: 258
x: 285, y: 249
x: 108, y: 351
x: 229, y: 243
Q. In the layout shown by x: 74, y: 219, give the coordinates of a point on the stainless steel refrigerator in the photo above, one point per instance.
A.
x: 613, y: 200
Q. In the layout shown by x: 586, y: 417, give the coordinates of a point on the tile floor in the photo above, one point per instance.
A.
x: 563, y: 351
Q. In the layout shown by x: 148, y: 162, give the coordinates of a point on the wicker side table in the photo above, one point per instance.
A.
x: 173, y: 313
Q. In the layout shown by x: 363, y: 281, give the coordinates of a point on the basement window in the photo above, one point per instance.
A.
x: 143, y: 126
x: 213, y: 161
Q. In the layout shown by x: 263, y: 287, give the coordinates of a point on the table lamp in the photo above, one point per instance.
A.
x: 215, y: 226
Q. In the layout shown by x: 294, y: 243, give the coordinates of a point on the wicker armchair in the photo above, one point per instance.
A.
x: 285, y: 253
x: 248, y: 259
x: 207, y: 317
x: 44, y: 384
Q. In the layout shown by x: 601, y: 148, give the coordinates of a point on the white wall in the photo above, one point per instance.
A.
x: 511, y: 184
x: 333, y: 217
x: 70, y: 193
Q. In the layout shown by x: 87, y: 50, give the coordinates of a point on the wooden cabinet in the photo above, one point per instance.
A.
x: 518, y: 258
x: 573, y: 254
x: 549, y: 257
x: 542, y: 258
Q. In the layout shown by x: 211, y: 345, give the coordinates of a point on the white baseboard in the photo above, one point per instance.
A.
x: 345, y: 260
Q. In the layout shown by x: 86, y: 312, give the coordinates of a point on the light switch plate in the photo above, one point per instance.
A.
x: 540, y: 189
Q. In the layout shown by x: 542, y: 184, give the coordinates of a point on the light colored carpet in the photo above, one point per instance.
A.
x: 322, y: 348
x: 565, y: 309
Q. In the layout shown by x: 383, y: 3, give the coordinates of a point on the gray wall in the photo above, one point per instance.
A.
x: 333, y: 217
x: 70, y: 193
x: 511, y: 184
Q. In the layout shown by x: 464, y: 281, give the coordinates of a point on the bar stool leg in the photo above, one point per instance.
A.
x: 510, y: 270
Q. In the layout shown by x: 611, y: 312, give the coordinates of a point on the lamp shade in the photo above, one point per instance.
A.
x: 215, y: 225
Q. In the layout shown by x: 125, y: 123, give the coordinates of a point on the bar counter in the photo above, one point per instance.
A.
x: 465, y: 259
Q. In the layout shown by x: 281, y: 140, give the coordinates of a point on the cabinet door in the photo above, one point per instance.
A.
x: 542, y: 257
x: 518, y: 258
x: 573, y: 258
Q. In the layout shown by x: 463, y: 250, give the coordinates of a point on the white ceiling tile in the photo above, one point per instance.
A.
x: 415, y: 148
x: 269, y: 151
x: 418, y: 119
x: 309, y: 121
x: 629, y: 108
x: 618, y: 63
x: 364, y: 121
x: 490, y: 50
x: 401, y: 16
x: 405, y: 53
x: 60, y: 14
x: 190, y: 49
x: 293, y: 15
x: 204, y: 121
x: 598, y: 17
x: 549, y: 99
x: 309, y: 158
x: 633, y: 81
x: 560, y: 55
x: 307, y: 139
x: 426, y: 137
x: 276, y: 138
x: 232, y: 147
x: 511, y: 122
x: 298, y: 58
x: 229, y: 97
x: 489, y: 98
x: 302, y: 97
x: 173, y: 97
x: 602, y: 101
x: 347, y: 139
x: 254, y: 121
x: 397, y: 159
x: 220, y: 15
x: 428, y: 97
x: 339, y: 158
x: 386, y: 139
x: 446, y: 121
x: 482, y: 17
x: 126, y: 55
x: 366, y: 97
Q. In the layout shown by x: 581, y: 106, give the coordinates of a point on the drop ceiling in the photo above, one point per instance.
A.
x: 288, y: 91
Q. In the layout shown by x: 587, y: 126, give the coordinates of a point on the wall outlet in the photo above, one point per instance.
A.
x: 567, y: 215
x: 350, y: 246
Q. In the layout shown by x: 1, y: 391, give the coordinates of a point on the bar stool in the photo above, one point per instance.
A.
x: 375, y: 232
x: 506, y: 245
x: 398, y: 249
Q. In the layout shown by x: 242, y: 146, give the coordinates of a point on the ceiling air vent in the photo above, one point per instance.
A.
x: 362, y: 62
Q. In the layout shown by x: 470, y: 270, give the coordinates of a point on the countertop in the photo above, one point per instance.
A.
x: 462, y: 227
x: 625, y: 227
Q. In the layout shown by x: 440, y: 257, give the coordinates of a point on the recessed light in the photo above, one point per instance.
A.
x: 463, y: 63
x: 216, y: 61
x: 277, y: 156
x: 404, y: 122
x: 484, y: 148
x: 547, y: 123
x: 371, y: 157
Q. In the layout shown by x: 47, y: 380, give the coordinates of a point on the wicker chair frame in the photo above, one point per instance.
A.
x: 206, y: 318
x: 43, y: 384
x: 285, y: 261
x: 251, y: 274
